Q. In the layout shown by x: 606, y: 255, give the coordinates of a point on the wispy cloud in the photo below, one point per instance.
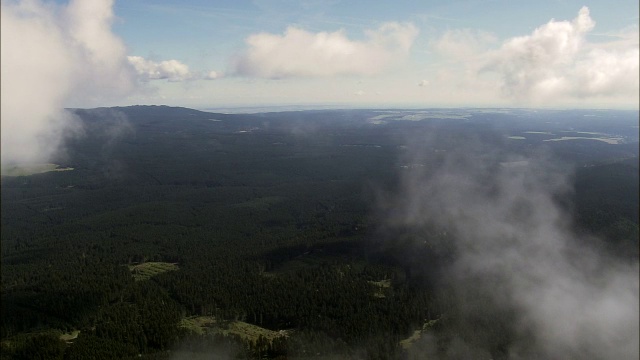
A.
x: 299, y: 53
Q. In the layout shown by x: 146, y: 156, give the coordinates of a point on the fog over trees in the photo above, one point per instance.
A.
x: 174, y: 233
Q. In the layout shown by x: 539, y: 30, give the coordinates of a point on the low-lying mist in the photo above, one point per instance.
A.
x: 520, y: 283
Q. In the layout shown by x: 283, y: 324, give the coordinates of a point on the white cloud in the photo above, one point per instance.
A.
x: 423, y: 83
x: 212, y: 75
x: 52, y: 55
x: 604, y: 72
x: 511, y: 247
x: 299, y: 53
x: 172, y: 70
x: 557, y: 61
x: 101, y: 54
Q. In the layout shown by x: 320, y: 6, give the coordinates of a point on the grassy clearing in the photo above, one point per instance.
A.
x: 408, y: 342
x: 146, y: 270
x: 199, y: 324
x: 30, y: 169
x: 248, y: 332
x: 68, y: 337
x: 380, y: 287
x: 386, y: 283
x: 14, y: 342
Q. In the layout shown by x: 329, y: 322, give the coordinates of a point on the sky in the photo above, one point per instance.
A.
x: 213, y: 54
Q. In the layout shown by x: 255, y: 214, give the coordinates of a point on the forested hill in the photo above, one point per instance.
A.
x: 161, y: 115
x: 286, y: 120
x: 145, y: 111
x: 175, y: 232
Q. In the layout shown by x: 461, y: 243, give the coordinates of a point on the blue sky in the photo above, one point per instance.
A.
x: 209, y: 36
x: 209, y: 54
x: 315, y: 53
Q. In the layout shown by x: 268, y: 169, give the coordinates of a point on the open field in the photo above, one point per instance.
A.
x: 248, y: 332
x: 406, y: 343
x: 417, y: 334
x: 146, y: 270
x: 199, y: 324
x: 69, y: 337
x: 380, y: 287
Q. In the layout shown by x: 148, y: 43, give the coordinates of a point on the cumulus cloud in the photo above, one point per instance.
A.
x: 606, y: 72
x: 172, y: 70
x: 556, y: 60
x: 512, y: 252
x: 56, y: 56
x: 299, y: 53
x: 52, y: 54
x: 100, y: 65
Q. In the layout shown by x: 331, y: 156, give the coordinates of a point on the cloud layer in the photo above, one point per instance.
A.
x: 514, y: 249
x: 61, y: 53
x: 556, y: 60
x: 64, y: 55
x: 299, y: 53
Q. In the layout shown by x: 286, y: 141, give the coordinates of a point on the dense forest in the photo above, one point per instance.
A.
x: 167, y: 233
